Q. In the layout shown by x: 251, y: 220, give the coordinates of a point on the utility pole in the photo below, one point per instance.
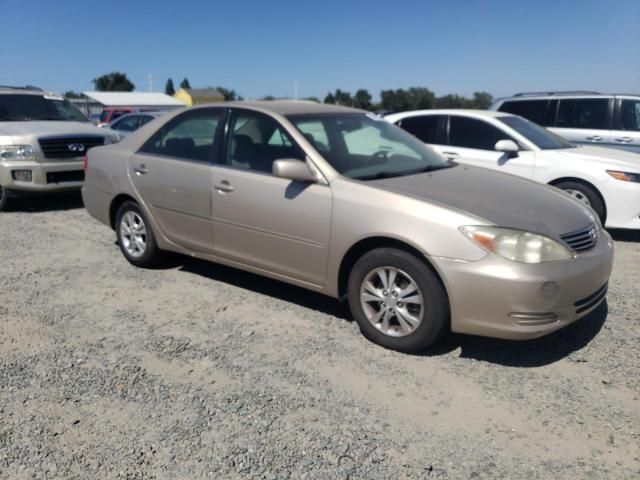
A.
x: 150, y: 83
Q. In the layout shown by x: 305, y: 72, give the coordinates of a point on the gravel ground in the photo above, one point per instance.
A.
x: 200, y: 371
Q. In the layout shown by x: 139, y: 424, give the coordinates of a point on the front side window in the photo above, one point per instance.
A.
x: 588, y: 113
x: 21, y: 107
x: 539, y: 136
x: 366, y: 147
x: 467, y: 132
x: 256, y: 140
x: 424, y: 127
x: 189, y: 136
x: 534, y: 110
x: 630, y: 115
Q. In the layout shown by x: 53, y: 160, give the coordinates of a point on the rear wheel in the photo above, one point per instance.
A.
x: 586, y: 195
x: 397, y: 300
x: 135, y: 237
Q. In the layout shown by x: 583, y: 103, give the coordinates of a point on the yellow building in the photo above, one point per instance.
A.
x: 198, y: 96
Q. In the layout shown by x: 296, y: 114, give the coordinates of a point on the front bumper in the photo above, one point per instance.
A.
x: 45, y: 176
x: 497, y: 298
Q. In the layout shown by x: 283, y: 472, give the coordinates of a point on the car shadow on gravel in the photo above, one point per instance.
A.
x: 45, y: 203
x: 265, y: 286
x: 529, y: 353
x: 626, y: 235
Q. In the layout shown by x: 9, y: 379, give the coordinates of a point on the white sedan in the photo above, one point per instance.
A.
x: 607, y: 180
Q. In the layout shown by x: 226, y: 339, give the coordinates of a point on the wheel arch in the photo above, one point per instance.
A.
x: 116, y: 203
x: 586, y: 183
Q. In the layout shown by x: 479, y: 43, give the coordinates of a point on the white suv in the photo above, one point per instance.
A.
x: 581, y: 117
x: 607, y: 180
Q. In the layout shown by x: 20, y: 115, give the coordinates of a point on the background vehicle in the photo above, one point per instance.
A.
x: 110, y: 114
x: 340, y: 201
x: 126, y: 124
x: 588, y: 118
x: 607, y: 180
x: 43, y: 139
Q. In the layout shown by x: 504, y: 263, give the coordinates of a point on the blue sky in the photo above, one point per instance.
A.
x: 263, y: 47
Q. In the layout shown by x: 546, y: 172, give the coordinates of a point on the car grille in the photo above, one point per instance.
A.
x: 62, y: 177
x: 592, y: 300
x: 68, y: 147
x: 581, y: 240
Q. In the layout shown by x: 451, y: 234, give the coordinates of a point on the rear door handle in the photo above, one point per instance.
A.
x: 595, y: 138
x: 224, y: 186
x: 624, y: 139
x: 141, y: 169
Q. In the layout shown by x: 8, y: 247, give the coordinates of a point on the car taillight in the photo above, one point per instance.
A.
x: 85, y: 162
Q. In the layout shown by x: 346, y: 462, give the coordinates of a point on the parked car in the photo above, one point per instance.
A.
x: 43, y: 139
x: 130, y: 122
x: 110, y: 114
x: 341, y: 202
x: 606, y: 180
x: 588, y: 118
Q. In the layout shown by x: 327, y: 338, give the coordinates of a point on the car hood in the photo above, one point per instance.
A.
x: 501, y: 199
x: 611, y: 156
x: 46, y: 128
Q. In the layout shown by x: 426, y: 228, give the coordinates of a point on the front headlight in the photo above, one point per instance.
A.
x: 16, y: 152
x: 517, y: 245
x: 625, y: 176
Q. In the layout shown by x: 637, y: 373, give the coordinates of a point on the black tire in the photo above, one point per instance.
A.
x: 3, y: 198
x: 435, y: 314
x: 595, y: 201
x: 151, y: 255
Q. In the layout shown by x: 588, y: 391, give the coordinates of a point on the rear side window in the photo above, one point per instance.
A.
x: 534, y: 110
x: 583, y: 113
x: 189, y: 136
x: 472, y: 133
x: 424, y: 127
x: 630, y: 115
x: 126, y: 124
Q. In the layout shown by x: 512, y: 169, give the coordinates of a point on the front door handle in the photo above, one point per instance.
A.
x: 141, y: 169
x: 624, y: 139
x: 595, y: 138
x: 450, y: 154
x: 224, y: 186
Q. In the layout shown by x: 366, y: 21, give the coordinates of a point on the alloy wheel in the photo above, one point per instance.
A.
x: 578, y: 195
x: 133, y: 233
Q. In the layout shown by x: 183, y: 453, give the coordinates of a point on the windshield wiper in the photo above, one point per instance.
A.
x: 389, y: 174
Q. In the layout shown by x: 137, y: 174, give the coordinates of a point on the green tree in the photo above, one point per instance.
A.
x: 71, y: 94
x: 185, y: 83
x: 268, y: 97
x: 421, y: 98
x: 113, y: 82
x: 228, y: 94
x: 169, y: 89
x: 362, y: 99
x: 343, y: 98
x: 452, y: 101
x: 482, y: 100
x: 329, y: 98
x: 395, y: 100
x: 312, y: 99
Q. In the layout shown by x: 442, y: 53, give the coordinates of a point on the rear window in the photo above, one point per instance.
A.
x: 534, y: 110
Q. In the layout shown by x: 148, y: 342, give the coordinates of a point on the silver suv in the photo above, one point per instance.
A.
x: 581, y: 117
x: 43, y: 139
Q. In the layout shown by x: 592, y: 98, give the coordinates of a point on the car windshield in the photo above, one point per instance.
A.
x: 22, y: 108
x: 539, y: 136
x: 366, y: 147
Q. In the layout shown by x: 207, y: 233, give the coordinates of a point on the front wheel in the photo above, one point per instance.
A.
x: 586, y: 195
x: 397, y: 300
x: 135, y: 237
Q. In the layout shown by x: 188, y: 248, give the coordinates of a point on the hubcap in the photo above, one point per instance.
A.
x: 392, y: 301
x: 133, y: 233
x: 577, y: 194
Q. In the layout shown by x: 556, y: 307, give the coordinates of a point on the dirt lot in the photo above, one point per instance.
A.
x: 107, y: 371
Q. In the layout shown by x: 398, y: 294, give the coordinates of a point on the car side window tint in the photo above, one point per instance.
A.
x: 467, y: 132
x: 190, y: 136
x: 425, y: 127
x: 257, y: 140
x: 534, y: 110
x: 127, y: 124
x: 144, y: 119
x: 583, y: 113
x: 630, y: 115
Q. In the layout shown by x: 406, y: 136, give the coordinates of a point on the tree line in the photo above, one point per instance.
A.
x: 413, y: 98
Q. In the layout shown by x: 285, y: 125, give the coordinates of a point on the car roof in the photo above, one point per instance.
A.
x: 449, y: 111
x: 286, y: 107
x: 23, y: 91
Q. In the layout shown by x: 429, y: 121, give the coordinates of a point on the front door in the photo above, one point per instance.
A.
x: 172, y: 174
x: 273, y: 224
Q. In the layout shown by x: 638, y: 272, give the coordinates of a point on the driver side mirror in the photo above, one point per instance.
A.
x: 293, y: 169
x: 507, y: 146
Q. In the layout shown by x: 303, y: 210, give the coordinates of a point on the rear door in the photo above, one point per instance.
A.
x: 472, y: 141
x: 626, y: 124
x: 172, y: 174
x: 585, y: 121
